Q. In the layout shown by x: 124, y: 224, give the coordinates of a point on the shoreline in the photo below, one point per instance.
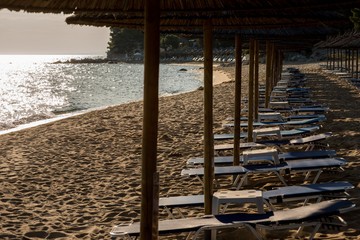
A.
x: 219, y: 76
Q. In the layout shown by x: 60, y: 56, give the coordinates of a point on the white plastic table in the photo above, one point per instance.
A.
x: 270, y: 116
x: 247, y: 155
x: 283, y: 104
x: 264, y: 131
x: 242, y: 196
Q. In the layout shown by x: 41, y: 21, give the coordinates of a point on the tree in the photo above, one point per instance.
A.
x: 355, y: 18
x: 170, y: 41
x: 124, y: 41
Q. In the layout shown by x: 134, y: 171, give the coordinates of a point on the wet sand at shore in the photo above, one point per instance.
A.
x: 77, y: 177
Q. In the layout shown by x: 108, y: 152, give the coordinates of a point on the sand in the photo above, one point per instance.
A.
x: 77, y: 177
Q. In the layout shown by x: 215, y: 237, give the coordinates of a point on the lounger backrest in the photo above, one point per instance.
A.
x: 296, y: 165
x: 310, y: 139
x: 301, y: 191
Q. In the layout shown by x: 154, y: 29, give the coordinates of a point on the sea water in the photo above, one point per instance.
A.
x: 33, y: 88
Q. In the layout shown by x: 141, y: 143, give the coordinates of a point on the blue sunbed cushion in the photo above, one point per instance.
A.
x: 316, y: 163
x: 306, y: 190
x: 311, y: 212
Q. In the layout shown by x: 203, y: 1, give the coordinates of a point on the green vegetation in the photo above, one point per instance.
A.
x: 127, y: 42
x: 355, y: 18
x: 124, y: 41
x: 170, y: 41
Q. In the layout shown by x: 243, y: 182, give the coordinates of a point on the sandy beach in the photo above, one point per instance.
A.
x: 77, y: 177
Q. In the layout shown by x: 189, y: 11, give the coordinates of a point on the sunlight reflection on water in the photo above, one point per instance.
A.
x: 31, y: 88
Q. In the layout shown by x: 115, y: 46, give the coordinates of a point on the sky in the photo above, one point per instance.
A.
x: 35, y: 33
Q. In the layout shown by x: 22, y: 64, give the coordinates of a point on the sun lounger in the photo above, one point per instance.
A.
x: 284, y: 133
x: 305, y: 109
x: 309, y: 142
x: 283, y: 219
x: 309, y: 109
x: 306, y: 166
x: 291, y: 100
x: 223, y: 160
x: 280, y: 123
x: 278, y: 195
x: 293, y: 193
x: 292, y: 117
x: 277, y: 88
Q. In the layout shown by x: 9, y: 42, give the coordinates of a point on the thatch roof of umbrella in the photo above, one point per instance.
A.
x: 290, y: 19
x: 341, y: 40
x: 328, y: 43
x: 295, y: 32
x: 300, y: 34
x: 181, y: 7
x: 223, y: 22
x: 354, y: 42
x: 347, y: 40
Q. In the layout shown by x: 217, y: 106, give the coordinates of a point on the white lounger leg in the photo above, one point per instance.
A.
x: 214, y: 230
x: 169, y: 212
x: 281, y: 178
x: 318, y: 172
x: 317, y: 176
x: 242, y: 181
x: 199, y: 178
x: 316, y: 229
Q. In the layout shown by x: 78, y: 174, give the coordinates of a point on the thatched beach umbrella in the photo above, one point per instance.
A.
x: 152, y: 10
x: 182, y: 7
x: 259, y: 28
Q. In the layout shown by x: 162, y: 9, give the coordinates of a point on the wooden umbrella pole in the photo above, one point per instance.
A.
x: 330, y: 59
x: 338, y: 59
x: 150, y: 177
x: 278, y: 66
x: 352, y: 62
x: 341, y: 60
x: 357, y: 63
x: 331, y: 56
x: 281, y: 63
x: 333, y: 59
x: 237, y: 117
x: 251, y: 92
x: 327, y: 58
x: 208, y: 117
x: 349, y: 63
x: 256, y: 80
x: 273, y: 68
x: 346, y: 61
x: 268, y: 72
